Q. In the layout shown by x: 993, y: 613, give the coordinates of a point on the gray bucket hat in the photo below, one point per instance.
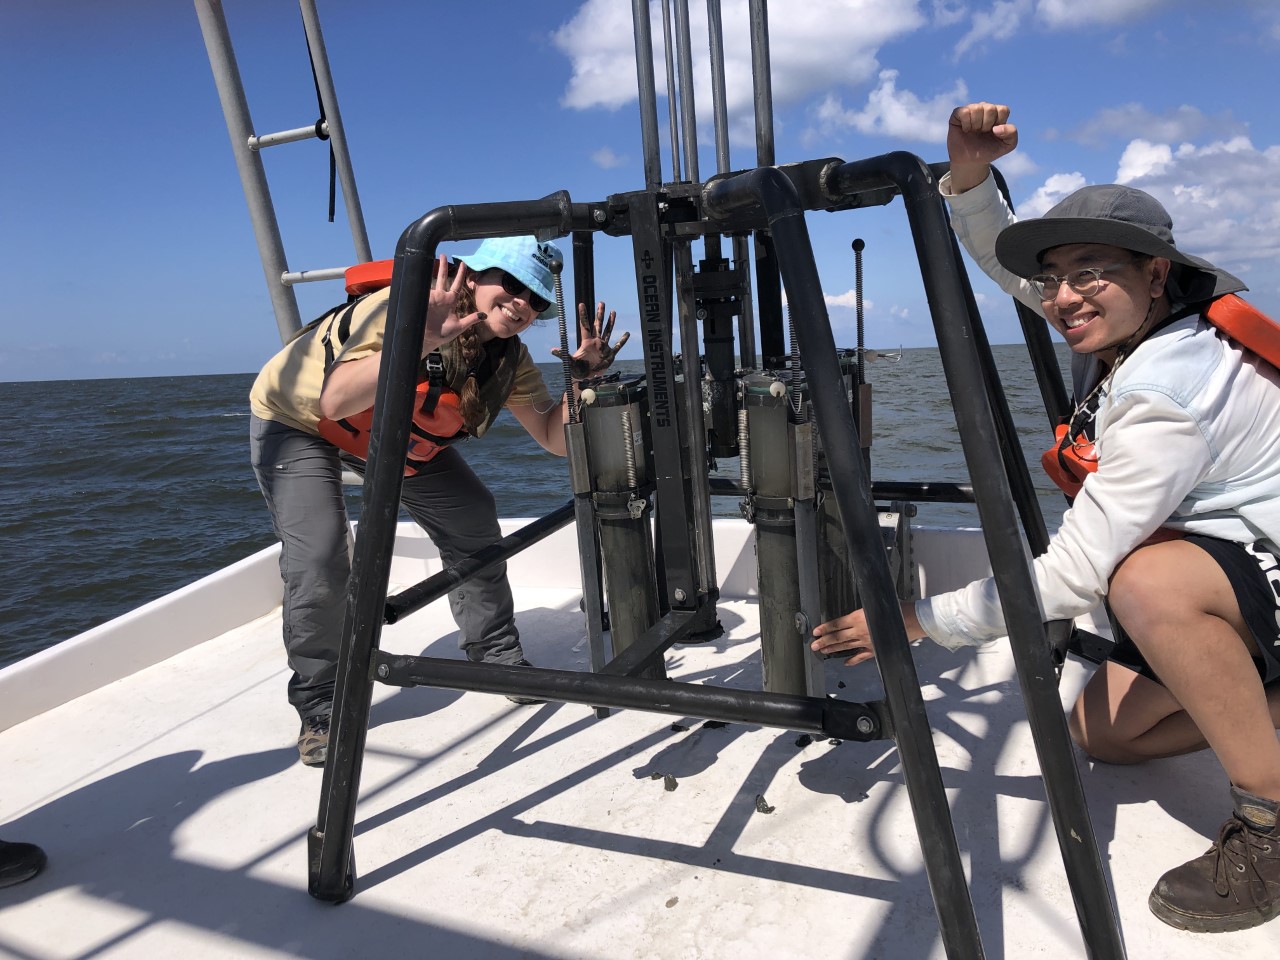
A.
x: 1118, y: 216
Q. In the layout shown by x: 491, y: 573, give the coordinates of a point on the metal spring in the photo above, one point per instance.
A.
x: 564, y: 349
x: 629, y: 449
x: 744, y: 450
x: 797, y: 402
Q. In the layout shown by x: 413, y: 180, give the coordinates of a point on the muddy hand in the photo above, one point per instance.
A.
x: 595, y: 354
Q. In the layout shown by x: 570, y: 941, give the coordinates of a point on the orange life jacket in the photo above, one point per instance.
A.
x: 437, y: 420
x: 437, y: 423
x: 1071, y: 459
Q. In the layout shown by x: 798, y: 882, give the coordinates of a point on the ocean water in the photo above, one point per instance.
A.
x: 115, y: 492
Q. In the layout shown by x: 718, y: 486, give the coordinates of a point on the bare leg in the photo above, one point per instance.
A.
x: 1122, y: 717
x: 1179, y: 608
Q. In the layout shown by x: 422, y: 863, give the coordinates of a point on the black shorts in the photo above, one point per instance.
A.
x: 1255, y: 577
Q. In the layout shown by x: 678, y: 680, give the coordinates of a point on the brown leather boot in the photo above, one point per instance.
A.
x: 1236, y: 884
x: 313, y: 740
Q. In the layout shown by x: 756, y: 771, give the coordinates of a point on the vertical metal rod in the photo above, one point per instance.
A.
x: 715, y: 40
x: 673, y: 540
x: 768, y: 286
x: 337, y: 134
x: 253, y: 178
x: 669, y: 54
x: 590, y: 561
x: 688, y: 113
x: 808, y: 576
x: 696, y: 428
x: 747, y: 358
x: 762, y: 77
x: 858, y: 246
x: 584, y: 291
x: 1016, y: 469
x: 648, y: 95
x: 1035, y: 331
x: 584, y: 275
x: 557, y: 268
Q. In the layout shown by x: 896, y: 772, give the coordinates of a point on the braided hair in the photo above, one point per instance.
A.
x: 471, y: 350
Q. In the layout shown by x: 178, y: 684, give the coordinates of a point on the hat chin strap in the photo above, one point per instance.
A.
x: 1138, y: 335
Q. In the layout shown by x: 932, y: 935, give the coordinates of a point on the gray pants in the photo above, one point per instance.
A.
x: 301, y: 479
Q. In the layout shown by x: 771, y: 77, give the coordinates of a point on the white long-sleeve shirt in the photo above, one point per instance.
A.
x: 1187, y: 435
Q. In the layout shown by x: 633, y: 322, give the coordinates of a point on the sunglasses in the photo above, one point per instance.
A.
x: 517, y: 288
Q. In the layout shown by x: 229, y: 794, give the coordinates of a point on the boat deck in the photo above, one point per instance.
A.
x: 174, y: 812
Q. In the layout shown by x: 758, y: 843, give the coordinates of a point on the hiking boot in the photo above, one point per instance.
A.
x: 19, y: 862
x: 516, y: 698
x: 1236, y: 884
x: 313, y: 740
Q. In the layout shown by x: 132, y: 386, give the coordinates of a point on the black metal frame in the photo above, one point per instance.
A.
x: 764, y: 199
x: 767, y: 204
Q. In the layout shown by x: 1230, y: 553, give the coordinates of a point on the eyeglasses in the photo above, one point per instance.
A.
x: 1086, y: 282
x: 517, y: 287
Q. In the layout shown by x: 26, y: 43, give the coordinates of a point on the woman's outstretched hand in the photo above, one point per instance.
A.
x: 595, y: 355
x: 442, y: 324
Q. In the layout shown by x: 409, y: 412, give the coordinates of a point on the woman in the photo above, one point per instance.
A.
x: 312, y: 411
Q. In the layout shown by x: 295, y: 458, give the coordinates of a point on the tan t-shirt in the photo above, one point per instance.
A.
x: 288, y: 387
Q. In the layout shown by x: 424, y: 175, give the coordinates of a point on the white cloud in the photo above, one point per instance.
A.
x: 1077, y: 13
x: 599, y: 42
x: 893, y: 112
x: 1017, y: 164
x: 1054, y: 189
x: 1004, y: 19
x: 1173, y: 126
x: 1141, y: 158
x: 813, y: 47
x: 606, y: 159
x: 948, y: 12
x: 999, y: 23
x: 1224, y: 198
x: 848, y: 299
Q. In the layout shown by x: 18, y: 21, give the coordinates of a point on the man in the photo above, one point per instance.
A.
x: 1177, y: 528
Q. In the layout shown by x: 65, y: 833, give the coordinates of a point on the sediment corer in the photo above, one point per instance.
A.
x: 613, y: 418
x: 770, y: 477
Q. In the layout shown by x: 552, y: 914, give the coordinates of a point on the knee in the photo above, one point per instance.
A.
x: 1100, y: 740
x: 1158, y: 586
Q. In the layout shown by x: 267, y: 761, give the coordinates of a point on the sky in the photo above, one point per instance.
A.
x: 126, y: 248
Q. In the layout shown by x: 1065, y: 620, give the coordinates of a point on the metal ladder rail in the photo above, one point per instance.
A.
x: 247, y: 147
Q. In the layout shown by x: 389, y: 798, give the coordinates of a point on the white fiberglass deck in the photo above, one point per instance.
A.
x: 174, y: 813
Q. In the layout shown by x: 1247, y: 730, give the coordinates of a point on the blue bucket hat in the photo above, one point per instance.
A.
x: 525, y: 258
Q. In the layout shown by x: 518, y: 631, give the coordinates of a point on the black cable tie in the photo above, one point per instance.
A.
x: 320, y: 132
